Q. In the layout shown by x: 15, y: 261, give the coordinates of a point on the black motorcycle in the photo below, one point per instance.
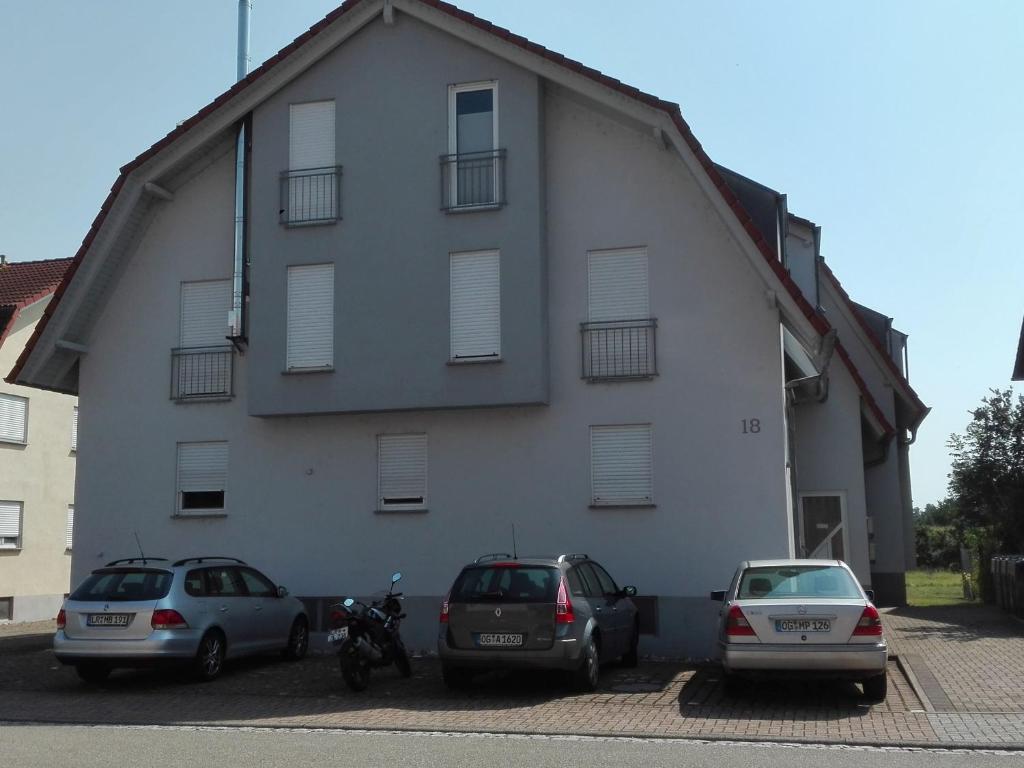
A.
x: 368, y: 637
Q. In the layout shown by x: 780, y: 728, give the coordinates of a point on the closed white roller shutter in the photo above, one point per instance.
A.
x: 204, y: 313
x: 621, y: 465
x: 202, y: 466
x: 311, y: 135
x: 618, y: 287
x: 74, y: 429
x: 402, y: 471
x: 13, y: 418
x: 70, y: 527
x: 10, y: 524
x: 310, y: 316
x: 475, y: 305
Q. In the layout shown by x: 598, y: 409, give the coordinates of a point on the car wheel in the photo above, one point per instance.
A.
x: 632, y: 657
x: 454, y: 678
x: 209, y: 660
x: 875, y: 688
x: 587, y: 676
x: 355, y: 674
x: 298, y: 639
x: 93, y: 672
x: 402, y: 662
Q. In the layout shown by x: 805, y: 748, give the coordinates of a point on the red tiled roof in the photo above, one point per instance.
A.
x: 670, y: 108
x: 25, y: 282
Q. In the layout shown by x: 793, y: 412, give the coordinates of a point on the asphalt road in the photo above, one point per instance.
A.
x: 28, y: 746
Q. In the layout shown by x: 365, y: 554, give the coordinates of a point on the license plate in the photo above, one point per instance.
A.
x: 803, y: 625
x: 107, y: 619
x: 337, y: 635
x: 499, y: 640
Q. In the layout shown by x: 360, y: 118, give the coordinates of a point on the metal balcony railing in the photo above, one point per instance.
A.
x: 311, y: 196
x: 619, y: 349
x: 473, y: 180
x: 199, y: 373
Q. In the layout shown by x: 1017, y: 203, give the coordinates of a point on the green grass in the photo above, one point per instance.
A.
x: 927, y: 588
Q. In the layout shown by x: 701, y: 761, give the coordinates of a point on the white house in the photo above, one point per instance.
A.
x: 475, y: 285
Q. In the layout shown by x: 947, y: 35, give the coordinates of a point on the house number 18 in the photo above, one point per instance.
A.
x: 751, y: 426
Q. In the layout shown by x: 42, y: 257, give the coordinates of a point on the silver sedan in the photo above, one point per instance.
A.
x: 800, y: 617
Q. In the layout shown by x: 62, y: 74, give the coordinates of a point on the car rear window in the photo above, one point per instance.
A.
x: 506, y: 583
x: 124, y: 584
x: 775, y: 582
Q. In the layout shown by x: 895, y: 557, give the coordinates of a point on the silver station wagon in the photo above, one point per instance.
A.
x: 559, y: 613
x: 800, y: 617
x: 199, y: 610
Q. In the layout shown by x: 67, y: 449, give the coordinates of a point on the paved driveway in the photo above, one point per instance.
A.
x: 657, y: 699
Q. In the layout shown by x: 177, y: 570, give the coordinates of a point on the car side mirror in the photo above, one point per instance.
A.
x: 282, y: 592
x: 871, y: 594
x: 718, y: 595
x: 629, y: 591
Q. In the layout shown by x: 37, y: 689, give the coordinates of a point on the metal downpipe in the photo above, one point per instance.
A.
x: 236, y: 320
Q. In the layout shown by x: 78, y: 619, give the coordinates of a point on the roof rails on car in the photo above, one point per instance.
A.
x: 204, y: 558
x: 131, y: 560
x: 573, y: 556
x: 492, y: 556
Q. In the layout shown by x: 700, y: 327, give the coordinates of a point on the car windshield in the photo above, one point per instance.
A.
x: 506, y: 583
x: 124, y: 584
x: 802, y: 581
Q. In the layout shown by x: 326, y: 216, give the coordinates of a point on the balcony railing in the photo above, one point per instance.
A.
x: 202, y: 373
x: 619, y: 349
x: 473, y: 180
x: 311, y: 196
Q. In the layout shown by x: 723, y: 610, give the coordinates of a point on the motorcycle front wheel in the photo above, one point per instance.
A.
x: 355, y: 673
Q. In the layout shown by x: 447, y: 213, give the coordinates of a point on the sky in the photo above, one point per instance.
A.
x: 895, y: 126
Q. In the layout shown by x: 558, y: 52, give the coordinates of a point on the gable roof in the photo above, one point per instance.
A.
x: 1018, y: 368
x: 26, y: 282
x: 792, y: 297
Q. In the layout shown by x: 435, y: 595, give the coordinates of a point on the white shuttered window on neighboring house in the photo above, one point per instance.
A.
x: 202, y: 476
x: 475, y: 287
x: 10, y: 524
x: 621, y: 465
x: 402, y: 471
x: 311, y: 162
x: 74, y: 429
x: 203, y: 364
x: 617, y: 285
x: 310, y: 317
x: 68, y: 535
x: 13, y: 419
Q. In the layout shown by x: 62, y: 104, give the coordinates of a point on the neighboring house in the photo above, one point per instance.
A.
x: 569, y: 323
x: 37, y: 457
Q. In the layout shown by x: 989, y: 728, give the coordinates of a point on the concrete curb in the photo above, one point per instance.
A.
x: 915, y: 685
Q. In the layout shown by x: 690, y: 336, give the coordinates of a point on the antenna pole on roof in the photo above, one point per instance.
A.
x: 139, y: 543
x: 515, y: 555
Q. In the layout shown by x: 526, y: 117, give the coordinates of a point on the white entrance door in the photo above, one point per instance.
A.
x: 823, y: 525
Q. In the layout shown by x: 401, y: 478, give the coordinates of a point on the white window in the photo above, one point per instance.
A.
x: 202, y: 476
x: 621, y: 465
x: 312, y: 177
x: 617, y: 285
x: 13, y: 419
x: 473, y: 144
x: 402, y: 471
x: 70, y: 527
x: 74, y: 429
x: 202, y: 364
x: 10, y: 524
x: 475, y: 305
x: 310, y: 317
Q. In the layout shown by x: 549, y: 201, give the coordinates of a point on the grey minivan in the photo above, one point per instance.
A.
x: 559, y: 613
x: 200, y: 610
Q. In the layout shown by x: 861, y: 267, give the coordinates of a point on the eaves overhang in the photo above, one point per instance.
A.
x: 663, y: 117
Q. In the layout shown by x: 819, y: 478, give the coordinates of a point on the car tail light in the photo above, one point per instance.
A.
x: 563, y: 605
x: 168, y: 619
x: 737, y: 625
x: 870, y: 624
x: 443, y: 618
x: 62, y: 619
